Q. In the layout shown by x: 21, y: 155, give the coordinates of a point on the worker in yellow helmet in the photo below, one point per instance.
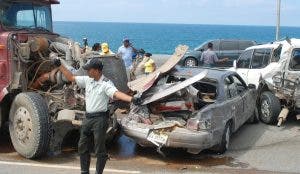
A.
x: 149, y: 64
x: 105, y: 49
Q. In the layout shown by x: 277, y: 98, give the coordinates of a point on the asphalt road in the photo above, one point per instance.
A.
x: 254, y: 149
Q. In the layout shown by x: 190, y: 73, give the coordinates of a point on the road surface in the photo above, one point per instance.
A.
x: 254, y: 148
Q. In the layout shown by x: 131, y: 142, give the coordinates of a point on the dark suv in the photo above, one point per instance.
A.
x: 224, y: 48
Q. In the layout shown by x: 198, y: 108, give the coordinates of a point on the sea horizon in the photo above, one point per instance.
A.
x: 160, y: 38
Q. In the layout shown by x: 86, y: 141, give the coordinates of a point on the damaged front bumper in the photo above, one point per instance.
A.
x: 193, y: 141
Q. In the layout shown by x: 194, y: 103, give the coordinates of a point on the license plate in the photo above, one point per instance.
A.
x: 158, y: 138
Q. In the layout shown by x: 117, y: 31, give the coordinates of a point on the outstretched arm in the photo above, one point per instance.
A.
x: 122, y: 96
x: 69, y: 76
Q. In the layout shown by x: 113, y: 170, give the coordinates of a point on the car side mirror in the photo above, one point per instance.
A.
x: 234, y: 64
x: 251, y: 86
x: 201, y: 49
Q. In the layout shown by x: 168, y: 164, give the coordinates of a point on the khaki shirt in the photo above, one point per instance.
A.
x: 97, y: 93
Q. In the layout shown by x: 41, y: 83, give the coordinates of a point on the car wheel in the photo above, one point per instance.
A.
x: 269, y: 108
x: 190, y: 62
x: 224, y: 145
x: 29, y: 125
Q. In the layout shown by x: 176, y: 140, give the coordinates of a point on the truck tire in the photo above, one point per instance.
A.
x: 269, y: 108
x: 190, y: 62
x: 29, y: 125
x: 224, y: 145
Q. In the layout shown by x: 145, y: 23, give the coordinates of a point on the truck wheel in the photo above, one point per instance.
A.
x: 29, y: 125
x: 224, y: 145
x: 269, y: 108
x: 190, y: 62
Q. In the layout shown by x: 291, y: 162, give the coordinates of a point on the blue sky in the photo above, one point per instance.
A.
x: 231, y: 12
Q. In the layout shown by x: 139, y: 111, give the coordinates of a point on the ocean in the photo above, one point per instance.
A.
x: 163, y: 38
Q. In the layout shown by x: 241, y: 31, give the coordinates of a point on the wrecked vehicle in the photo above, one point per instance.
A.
x: 40, y: 106
x: 192, y: 108
x: 274, y: 69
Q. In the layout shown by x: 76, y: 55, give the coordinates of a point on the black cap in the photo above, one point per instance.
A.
x: 148, y: 54
x: 94, y: 63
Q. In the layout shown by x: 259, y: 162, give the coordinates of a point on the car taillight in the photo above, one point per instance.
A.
x: 196, y: 125
x: 205, y: 124
x: 193, y: 124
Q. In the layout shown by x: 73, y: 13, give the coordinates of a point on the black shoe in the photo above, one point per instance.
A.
x: 85, y: 160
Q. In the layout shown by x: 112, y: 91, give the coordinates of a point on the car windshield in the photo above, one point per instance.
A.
x: 200, y: 46
x: 25, y: 15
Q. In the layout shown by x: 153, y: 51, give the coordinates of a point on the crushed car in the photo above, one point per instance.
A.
x: 190, y: 108
x: 274, y: 68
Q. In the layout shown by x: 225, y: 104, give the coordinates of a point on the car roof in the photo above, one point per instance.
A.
x: 271, y: 46
x: 295, y: 42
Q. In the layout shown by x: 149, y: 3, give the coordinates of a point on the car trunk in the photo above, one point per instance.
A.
x: 173, y: 110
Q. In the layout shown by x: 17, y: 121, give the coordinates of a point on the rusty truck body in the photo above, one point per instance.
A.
x: 40, y: 106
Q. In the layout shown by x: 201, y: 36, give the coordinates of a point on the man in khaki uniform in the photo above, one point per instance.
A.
x: 98, y: 91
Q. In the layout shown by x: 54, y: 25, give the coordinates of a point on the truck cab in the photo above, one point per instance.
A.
x: 40, y: 106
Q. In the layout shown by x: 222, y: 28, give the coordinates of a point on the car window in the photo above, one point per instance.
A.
x: 204, y: 46
x: 261, y: 58
x: 295, y: 62
x: 245, y: 44
x: 229, y: 45
x: 216, y: 44
x: 234, y: 86
x: 245, y: 59
x: 276, y: 54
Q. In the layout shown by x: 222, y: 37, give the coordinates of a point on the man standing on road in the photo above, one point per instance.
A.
x: 98, y: 91
x: 126, y: 51
x: 210, y: 58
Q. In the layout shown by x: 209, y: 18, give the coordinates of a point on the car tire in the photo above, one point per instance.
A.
x: 29, y: 125
x: 269, y: 108
x: 190, y: 62
x: 224, y: 145
x: 255, y: 117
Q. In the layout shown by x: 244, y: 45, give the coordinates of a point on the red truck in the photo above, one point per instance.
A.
x: 37, y: 103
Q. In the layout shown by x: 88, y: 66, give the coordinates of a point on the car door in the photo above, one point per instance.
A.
x: 216, y: 44
x: 234, y: 101
x: 248, y: 99
x: 243, y: 64
x: 229, y: 49
x: 291, y: 76
x: 259, y: 64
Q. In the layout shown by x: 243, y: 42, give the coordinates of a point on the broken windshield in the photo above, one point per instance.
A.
x: 25, y: 15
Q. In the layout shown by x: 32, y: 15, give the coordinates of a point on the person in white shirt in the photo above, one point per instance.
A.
x: 126, y: 52
x: 98, y: 91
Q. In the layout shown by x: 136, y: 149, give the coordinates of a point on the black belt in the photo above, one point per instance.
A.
x: 97, y: 114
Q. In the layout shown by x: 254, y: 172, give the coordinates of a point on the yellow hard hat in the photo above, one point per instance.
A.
x: 105, y: 47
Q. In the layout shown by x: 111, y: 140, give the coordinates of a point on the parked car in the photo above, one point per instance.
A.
x: 192, y: 108
x: 274, y: 69
x: 224, y: 48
